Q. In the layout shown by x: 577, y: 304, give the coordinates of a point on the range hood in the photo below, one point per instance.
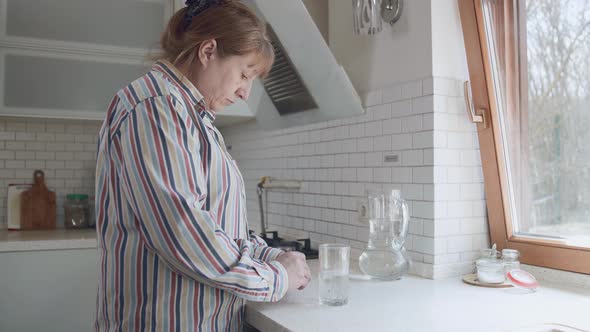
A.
x: 306, y: 84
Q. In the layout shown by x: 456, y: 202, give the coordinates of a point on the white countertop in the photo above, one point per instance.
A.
x: 418, y: 304
x: 57, y: 239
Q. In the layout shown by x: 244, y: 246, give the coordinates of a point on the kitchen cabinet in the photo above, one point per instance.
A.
x: 67, y: 58
x: 48, y: 280
x: 48, y: 290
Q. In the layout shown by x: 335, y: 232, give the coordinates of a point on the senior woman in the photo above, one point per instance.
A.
x: 175, y: 251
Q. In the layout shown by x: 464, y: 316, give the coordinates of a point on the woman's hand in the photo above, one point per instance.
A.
x: 297, y: 269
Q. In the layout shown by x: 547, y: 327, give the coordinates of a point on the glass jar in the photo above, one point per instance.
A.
x: 510, y: 260
x: 490, y: 270
x: 76, y: 211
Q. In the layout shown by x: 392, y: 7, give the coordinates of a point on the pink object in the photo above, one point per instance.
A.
x: 522, y: 279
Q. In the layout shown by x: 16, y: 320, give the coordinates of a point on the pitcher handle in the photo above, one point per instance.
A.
x: 399, y: 243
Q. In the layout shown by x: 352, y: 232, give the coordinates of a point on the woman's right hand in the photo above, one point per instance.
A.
x: 297, y: 269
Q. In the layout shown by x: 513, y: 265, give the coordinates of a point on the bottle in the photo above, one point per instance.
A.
x: 76, y: 211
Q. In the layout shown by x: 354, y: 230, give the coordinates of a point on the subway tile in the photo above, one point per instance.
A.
x: 381, y: 112
x: 392, y: 93
x: 15, y: 125
x: 412, y: 124
x: 364, y: 174
x: 413, y: 191
x: 356, y: 160
x: 373, y: 159
x: 401, y: 141
x: 45, y: 137
x: 349, y: 174
x: 476, y: 225
x: 365, y: 144
x: 428, y: 86
x: 17, y: 164
x: 401, y: 175
x: 401, y: 108
x: 35, y: 126
x: 15, y: 145
x: 459, y: 174
x: 382, y: 143
x: 54, y: 127
x: 470, y: 158
x: 458, y: 140
x: 392, y: 126
x: 7, y: 136
x: 43, y: 155
x: 423, y: 105
x: 23, y: 155
x: 423, y: 175
x: 7, y: 155
x: 456, y: 244
x: 24, y: 136
x: 423, y: 244
x: 412, y: 158
x: 374, y: 128
x: 341, y: 160
x: 412, y: 89
x: 472, y: 191
x: 422, y: 140
x: 423, y: 210
x: 371, y: 98
x: 35, y: 164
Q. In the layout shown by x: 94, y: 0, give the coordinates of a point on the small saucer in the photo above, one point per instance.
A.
x: 471, y: 279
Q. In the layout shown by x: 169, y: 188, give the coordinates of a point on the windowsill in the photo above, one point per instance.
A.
x: 58, y: 239
x: 566, y: 278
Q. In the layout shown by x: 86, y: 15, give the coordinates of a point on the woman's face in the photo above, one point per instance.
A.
x: 223, y: 80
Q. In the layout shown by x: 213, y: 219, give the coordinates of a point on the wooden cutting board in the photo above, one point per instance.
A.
x: 38, y: 210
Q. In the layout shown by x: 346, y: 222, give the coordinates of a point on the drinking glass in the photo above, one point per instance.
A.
x: 334, y: 267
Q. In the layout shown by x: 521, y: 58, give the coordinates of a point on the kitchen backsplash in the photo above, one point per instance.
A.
x: 423, y: 128
x: 64, y: 149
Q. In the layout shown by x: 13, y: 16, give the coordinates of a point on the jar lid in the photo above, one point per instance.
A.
x: 512, y: 253
x: 488, y: 262
x: 522, y: 279
x: 77, y: 197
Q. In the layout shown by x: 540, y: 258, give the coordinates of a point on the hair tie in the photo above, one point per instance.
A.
x: 195, y: 7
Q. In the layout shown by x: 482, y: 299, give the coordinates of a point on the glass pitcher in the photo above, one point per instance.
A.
x: 388, y: 218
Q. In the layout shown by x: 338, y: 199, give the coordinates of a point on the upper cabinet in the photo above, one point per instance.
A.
x: 67, y: 58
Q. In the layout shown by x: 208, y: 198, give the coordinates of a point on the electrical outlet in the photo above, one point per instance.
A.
x: 363, y: 211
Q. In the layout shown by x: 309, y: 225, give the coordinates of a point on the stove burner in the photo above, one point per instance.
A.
x: 300, y: 245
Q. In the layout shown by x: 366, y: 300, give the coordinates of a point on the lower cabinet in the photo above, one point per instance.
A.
x: 51, y: 290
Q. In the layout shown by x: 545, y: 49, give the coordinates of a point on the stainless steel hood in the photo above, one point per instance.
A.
x: 306, y: 84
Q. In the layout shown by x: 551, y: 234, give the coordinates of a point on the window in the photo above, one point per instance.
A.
x: 529, y: 91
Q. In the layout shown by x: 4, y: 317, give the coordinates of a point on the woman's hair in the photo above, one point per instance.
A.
x: 236, y: 29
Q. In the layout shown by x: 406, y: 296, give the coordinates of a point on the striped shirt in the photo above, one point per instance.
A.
x: 174, y: 249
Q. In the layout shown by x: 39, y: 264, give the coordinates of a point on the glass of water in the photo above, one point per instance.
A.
x: 334, y: 264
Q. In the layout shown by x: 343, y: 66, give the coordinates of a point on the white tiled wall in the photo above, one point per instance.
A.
x: 425, y: 125
x: 64, y: 149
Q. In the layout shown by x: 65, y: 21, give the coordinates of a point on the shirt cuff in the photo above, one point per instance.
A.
x: 280, y: 282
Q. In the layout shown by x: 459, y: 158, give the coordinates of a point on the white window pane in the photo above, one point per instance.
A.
x: 558, y: 53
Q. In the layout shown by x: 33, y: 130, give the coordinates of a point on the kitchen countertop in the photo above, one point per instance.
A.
x: 56, y: 239
x: 418, y: 304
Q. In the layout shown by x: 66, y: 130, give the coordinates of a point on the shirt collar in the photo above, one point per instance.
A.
x: 187, y: 88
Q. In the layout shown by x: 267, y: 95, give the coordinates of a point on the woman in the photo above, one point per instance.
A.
x: 175, y: 253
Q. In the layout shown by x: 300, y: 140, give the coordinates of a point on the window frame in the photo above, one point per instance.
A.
x: 534, y: 251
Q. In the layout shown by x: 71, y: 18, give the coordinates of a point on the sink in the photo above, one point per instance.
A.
x: 547, y: 328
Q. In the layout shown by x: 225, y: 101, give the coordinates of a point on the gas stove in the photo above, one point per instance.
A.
x: 272, y: 239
